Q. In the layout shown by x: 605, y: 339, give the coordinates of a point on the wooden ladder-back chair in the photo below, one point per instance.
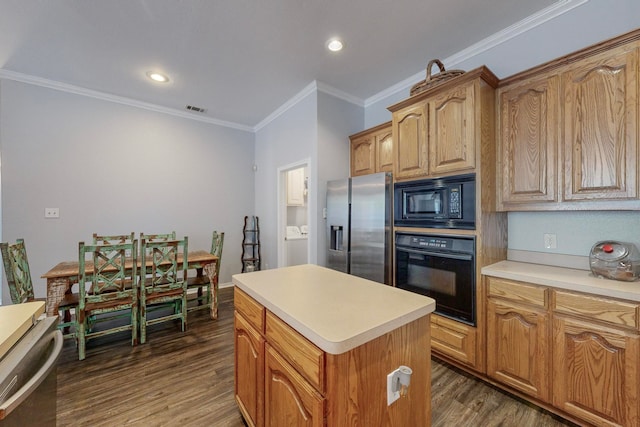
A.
x: 111, y: 288
x: 16, y: 268
x: 158, y: 237
x: 112, y: 240
x: 163, y: 281
x: 105, y: 239
x: 202, y: 281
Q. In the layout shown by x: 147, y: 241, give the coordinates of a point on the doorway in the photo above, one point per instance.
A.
x: 293, y: 214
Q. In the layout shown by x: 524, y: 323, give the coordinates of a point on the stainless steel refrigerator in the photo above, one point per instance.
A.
x: 359, y: 223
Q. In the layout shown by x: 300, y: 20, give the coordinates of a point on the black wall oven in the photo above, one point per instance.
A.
x: 448, y: 202
x: 441, y: 267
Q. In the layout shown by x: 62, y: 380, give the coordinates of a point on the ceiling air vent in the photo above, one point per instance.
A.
x: 195, y: 109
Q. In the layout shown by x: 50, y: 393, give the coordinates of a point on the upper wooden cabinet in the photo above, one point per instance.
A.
x: 409, y: 128
x: 600, y: 126
x: 440, y: 131
x: 451, y: 137
x: 372, y: 150
x: 528, y: 141
x: 568, y: 135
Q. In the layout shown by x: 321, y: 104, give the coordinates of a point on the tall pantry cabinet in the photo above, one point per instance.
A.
x: 445, y: 130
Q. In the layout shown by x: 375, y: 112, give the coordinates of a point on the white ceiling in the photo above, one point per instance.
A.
x: 240, y: 59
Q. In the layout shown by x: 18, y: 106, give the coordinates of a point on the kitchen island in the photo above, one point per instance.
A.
x: 314, y: 346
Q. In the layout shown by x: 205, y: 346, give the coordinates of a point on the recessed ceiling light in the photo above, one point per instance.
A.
x: 335, y: 45
x: 157, y: 77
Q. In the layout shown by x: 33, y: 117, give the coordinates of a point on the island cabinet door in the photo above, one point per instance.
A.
x: 289, y: 399
x: 596, y: 372
x: 249, y: 371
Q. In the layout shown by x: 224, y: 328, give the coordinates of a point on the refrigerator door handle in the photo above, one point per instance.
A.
x: 29, y: 387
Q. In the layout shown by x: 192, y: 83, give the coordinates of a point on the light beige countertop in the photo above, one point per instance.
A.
x: 564, y: 278
x: 336, y: 311
x: 15, y: 321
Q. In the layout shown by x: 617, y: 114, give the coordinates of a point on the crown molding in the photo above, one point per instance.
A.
x: 308, y: 90
x: 539, y: 18
x: 530, y: 22
x: 314, y: 86
x: 330, y: 90
x: 77, y: 90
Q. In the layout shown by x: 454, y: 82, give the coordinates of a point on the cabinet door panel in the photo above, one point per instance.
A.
x: 384, y: 150
x: 600, y: 116
x: 595, y: 372
x: 528, y: 141
x: 289, y: 399
x: 452, y: 131
x: 249, y: 371
x: 409, y: 134
x: 517, y: 348
x: 363, y: 155
x: 454, y: 339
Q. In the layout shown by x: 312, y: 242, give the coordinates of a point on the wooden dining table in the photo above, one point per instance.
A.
x: 65, y: 274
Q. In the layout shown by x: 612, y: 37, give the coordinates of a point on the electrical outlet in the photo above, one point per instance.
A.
x: 392, y: 394
x: 550, y: 241
x: 51, y: 213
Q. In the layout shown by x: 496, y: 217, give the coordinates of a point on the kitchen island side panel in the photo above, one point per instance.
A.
x: 357, y: 380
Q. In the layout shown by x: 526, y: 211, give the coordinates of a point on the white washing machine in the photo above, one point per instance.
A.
x: 296, y: 245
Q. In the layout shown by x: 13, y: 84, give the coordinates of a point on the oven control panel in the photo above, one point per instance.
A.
x: 424, y: 241
x: 431, y: 242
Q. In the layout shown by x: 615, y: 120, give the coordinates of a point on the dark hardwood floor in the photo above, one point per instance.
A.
x: 186, y: 379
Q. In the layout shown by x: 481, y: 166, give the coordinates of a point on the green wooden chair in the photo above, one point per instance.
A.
x: 112, y: 240
x: 201, y: 281
x: 111, y: 289
x: 163, y: 282
x: 105, y: 239
x: 158, y: 237
x: 16, y: 268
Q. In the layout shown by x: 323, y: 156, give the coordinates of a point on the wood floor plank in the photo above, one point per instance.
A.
x: 186, y: 379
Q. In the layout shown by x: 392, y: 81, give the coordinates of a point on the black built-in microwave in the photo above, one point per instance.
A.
x: 447, y: 202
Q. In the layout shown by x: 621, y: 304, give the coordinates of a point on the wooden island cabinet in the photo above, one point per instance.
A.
x: 313, y: 347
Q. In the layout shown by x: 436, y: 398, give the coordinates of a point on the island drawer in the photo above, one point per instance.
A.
x: 616, y: 312
x: 299, y: 351
x: 516, y: 291
x: 250, y: 309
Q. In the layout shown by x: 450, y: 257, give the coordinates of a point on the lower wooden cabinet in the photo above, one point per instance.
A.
x: 454, y: 339
x: 249, y: 372
x: 518, y: 336
x: 289, y: 399
x: 596, y: 358
x: 578, y: 352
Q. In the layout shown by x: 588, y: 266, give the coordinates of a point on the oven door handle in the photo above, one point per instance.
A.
x: 463, y: 257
